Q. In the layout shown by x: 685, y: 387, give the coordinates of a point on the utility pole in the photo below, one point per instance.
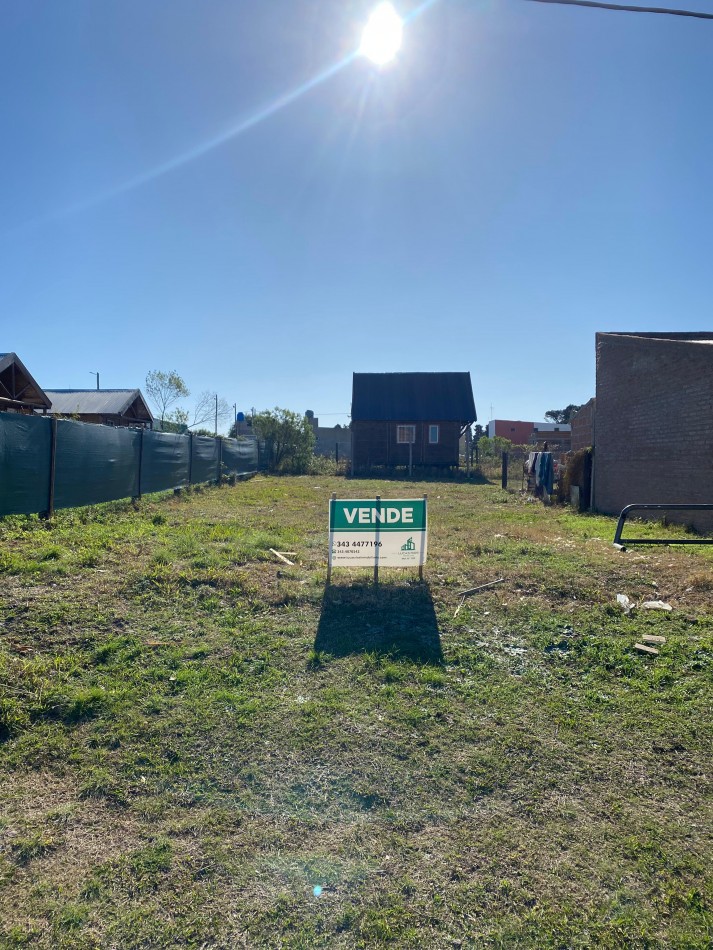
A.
x: 97, y: 376
x: 235, y: 419
x: 216, y: 416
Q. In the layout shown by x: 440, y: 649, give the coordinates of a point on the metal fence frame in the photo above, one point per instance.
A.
x: 621, y: 543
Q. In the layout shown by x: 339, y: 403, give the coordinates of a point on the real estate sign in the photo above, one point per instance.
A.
x: 378, y: 532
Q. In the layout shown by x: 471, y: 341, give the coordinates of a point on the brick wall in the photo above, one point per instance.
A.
x: 518, y: 432
x: 583, y: 427
x: 654, y: 422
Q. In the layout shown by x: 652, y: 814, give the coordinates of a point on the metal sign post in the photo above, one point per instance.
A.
x: 377, y: 541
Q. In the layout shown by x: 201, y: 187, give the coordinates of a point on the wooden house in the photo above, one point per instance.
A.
x: 113, y: 407
x: 19, y: 392
x: 403, y: 417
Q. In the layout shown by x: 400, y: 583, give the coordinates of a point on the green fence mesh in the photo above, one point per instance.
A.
x: 25, y: 443
x: 205, y: 459
x: 96, y: 463
x: 165, y: 461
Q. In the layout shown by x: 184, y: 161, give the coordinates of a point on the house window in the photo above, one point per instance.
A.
x: 433, y: 435
x: 405, y: 434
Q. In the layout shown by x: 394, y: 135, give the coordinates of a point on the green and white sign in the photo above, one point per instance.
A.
x: 378, y: 532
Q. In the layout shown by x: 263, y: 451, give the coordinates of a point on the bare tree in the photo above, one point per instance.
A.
x: 205, y: 410
x: 164, y: 390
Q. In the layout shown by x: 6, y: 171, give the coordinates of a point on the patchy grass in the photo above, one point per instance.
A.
x: 202, y: 747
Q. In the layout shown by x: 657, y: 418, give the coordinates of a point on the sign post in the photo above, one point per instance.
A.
x: 377, y: 532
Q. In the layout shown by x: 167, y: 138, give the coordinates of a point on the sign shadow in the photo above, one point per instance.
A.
x: 385, y: 619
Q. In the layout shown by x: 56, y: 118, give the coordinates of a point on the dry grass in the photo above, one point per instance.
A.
x: 196, y: 736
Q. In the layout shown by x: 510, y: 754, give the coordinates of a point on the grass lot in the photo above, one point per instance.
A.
x: 193, y: 737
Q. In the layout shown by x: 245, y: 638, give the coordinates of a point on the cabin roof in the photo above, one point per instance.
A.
x: 413, y: 397
x: 17, y: 385
x: 98, y: 402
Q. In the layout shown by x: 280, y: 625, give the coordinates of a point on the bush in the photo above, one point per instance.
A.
x: 323, y: 465
x: 573, y: 473
x: 493, y: 448
x: 289, y: 440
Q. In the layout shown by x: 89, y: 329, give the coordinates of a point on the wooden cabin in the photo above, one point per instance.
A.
x: 19, y: 391
x: 402, y: 417
x: 112, y: 407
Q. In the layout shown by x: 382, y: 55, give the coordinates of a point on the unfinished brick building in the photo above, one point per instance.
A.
x: 653, y: 422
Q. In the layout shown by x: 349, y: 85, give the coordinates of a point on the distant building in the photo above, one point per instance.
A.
x: 426, y: 411
x: 331, y: 441
x: 557, y: 435
x: 516, y: 431
x: 244, y: 427
x: 114, y: 407
x: 19, y: 392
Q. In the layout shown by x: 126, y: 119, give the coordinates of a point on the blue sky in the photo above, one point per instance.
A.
x: 523, y: 176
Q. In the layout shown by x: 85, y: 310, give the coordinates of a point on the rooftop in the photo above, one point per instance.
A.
x: 413, y: 397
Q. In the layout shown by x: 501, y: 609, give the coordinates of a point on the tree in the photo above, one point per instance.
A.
x: 493, y: 448
x: 164, y: 390
x: 204, y: 410
x: 289, y: 439
x: 562, y: 416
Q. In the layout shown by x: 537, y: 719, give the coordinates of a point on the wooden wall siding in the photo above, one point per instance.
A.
x: 374, y: 443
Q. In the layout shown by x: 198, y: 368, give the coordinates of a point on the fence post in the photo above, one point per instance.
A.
x: 425, y: 536
x: 190, y: 458
x: 504, y: 474
x: 53, y: 466
x: 141, y: 459
x: 331, y: 519
x: 376, y: 549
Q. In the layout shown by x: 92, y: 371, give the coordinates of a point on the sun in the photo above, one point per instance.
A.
x: 381, y: 39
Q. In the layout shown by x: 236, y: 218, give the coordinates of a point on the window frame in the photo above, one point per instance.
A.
x: 431, y: 427
x: 403, y: 428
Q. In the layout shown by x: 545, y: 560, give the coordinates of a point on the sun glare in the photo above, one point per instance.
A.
x: 381, y: 39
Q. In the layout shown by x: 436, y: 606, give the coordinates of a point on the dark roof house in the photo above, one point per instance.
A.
x: 403, y: 418
x: 19, y: 391
x: 118, y: 407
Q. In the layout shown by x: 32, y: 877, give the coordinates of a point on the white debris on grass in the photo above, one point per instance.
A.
x: 656, y: 605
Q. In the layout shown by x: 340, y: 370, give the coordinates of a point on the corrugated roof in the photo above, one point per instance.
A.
x: 412, y: 397
x: 97, y: 402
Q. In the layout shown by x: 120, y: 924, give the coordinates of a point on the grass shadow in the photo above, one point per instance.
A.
x: 384, y: 619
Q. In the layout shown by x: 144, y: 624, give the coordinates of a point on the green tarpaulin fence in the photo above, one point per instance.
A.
x: 46, y: 464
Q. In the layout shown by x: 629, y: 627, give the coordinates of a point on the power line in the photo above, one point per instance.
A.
x: 627, y: 8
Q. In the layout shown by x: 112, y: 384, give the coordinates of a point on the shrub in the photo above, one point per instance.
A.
x: 289, y: 440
